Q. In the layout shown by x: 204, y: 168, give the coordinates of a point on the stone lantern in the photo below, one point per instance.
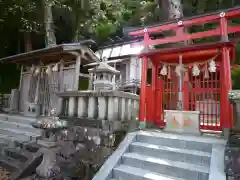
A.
x: 104, y: 77
x: 51, y: 126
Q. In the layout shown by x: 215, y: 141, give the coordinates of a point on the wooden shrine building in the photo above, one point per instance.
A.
x: 195, y: 77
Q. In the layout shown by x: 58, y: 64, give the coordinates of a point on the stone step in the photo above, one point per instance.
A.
x: 17, y: 118
x: 7, y: 139
x: 7, y: 135
x: 179, y: 141
x: 171, y: 153
x: 23, y: 127
x: 167, y: 167
x: 17, y: 154
x: 124, y: 172
x: 15, y: 132
x: 12, y: 165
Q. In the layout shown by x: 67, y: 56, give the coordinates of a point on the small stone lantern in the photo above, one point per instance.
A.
x: 104, y: 77
x: 51, y: 125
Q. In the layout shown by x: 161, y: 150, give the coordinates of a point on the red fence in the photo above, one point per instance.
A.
x: 200, y: 93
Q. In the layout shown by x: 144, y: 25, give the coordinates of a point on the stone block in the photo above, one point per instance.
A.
x: 182, y: 121
x: 14, y: 99
x: 113, y: 110
x: 82, y: 107
x: 32, y: 109
x: 234, y: 97
x: 123, y: 109
x: 72, y: 106
x: 102, y: 108
x: 92, y: 107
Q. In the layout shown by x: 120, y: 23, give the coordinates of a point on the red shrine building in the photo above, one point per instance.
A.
x: 193, y: 77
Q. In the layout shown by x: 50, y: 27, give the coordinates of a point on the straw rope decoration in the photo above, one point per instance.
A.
x: 209, y: 66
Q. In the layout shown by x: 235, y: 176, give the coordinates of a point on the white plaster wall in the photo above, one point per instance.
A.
x: 133, y: 72
x: 139, y: 69
x: 134, y: 68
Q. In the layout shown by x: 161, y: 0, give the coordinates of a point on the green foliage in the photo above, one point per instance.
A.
x: 235, y: 78
x: 75, y: 20
x: 101, y: 19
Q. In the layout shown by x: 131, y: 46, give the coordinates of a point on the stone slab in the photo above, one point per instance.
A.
x: 47, y: 144
x: 217, y: 163
x: 91, y: 93
x: 182, y: 121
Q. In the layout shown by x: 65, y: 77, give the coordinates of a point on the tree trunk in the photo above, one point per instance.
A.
x: 76, y: 31
x: 50, y: 39
x: 171, y: 9
x: 27, y: 42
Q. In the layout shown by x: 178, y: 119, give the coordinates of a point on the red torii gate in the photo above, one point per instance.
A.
x: 152, y: 106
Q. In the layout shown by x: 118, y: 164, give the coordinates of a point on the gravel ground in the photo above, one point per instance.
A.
x: 4, y: 174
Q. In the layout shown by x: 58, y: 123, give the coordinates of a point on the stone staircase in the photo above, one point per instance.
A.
x: 17, y: 128
x: 148, y: 155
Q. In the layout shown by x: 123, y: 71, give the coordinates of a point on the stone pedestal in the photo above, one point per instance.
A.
x: 182, y: 121
x: 48, y: 168
x: 234, y: 97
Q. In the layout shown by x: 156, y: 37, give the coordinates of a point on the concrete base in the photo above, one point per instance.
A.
x: 182, y: 121
x: 225, y: 133
x: 145, y: 125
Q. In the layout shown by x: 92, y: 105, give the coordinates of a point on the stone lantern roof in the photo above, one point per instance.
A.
x: 105, y: 76
x: 104, y: 67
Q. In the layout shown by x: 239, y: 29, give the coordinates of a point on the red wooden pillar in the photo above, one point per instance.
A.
x: 154, y: 88
x: 226, y: 111
x: 159, y: 103
x: 226, y: 120
x: 142, y: 107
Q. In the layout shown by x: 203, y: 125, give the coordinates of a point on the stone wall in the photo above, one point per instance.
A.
x: 83, y: 149
x: 97, y: 123
x: 101, y: 105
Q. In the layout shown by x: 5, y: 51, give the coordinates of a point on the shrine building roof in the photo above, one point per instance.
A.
x: 56, y: 53
x: 190, y: 53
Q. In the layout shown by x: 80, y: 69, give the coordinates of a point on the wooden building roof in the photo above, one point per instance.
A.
x: 65, y: 52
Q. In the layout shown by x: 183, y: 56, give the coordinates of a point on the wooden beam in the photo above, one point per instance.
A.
x: 77, y: 72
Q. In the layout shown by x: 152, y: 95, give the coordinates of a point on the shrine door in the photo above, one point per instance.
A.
x: 200, y: 93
